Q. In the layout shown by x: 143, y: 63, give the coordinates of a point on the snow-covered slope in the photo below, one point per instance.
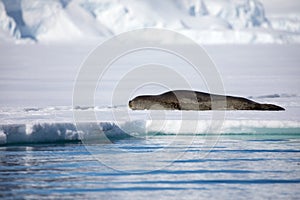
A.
x: 8, y: 27
x: 213, y: 21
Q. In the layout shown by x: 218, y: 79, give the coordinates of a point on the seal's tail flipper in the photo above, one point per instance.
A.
x: 271, y: 107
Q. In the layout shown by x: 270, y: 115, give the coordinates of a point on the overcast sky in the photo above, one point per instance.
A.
x: 281, y: 7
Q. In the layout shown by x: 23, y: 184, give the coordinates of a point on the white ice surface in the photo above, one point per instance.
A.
x: 36, y: 85
x: 44, y: 75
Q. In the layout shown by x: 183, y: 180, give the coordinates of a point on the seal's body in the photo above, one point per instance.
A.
x: 194, y: 100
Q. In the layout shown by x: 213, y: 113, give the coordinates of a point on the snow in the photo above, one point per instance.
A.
x: 208, y: 22
x: 8, y: 27
x: 36, y: 84
x: 54, y: 37
x: 290, y: 23
x: 43, y: 75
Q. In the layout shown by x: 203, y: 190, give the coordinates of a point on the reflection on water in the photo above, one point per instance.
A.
x: 249, y: 167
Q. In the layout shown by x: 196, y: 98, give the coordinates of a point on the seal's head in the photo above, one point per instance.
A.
x: 138, y: 103
x: 146, y: 102
x: 133, y: 104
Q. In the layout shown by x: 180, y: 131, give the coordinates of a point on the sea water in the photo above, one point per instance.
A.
x: 265, y: 166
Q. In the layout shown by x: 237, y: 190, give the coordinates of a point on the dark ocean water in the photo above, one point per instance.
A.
x: 237, y: 166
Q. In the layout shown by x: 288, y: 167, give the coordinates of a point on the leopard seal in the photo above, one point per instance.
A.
x: 195, y: 100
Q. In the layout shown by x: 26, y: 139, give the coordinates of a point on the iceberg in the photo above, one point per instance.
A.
x: 208, y: 22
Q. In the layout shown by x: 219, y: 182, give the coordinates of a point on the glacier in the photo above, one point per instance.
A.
x: 207, y: 22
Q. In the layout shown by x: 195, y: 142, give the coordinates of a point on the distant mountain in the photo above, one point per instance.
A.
x: 210, y: 21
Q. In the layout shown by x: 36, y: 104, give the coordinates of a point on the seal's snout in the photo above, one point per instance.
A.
x: 130, y: 104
